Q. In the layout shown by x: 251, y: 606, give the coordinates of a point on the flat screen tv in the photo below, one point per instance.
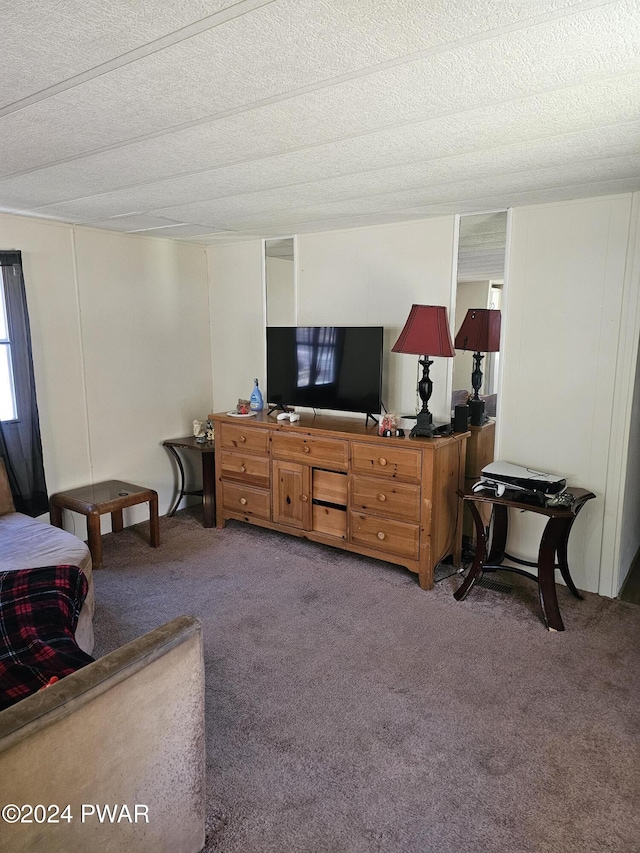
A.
x: 325, y: 367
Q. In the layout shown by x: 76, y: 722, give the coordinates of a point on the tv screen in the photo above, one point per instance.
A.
x: 325, y: 367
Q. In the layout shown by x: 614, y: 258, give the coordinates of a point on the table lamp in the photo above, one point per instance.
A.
x: 480, y: 332
x: 426, y: 331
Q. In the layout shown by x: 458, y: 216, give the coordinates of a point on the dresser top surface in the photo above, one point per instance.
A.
x: 336, y: 427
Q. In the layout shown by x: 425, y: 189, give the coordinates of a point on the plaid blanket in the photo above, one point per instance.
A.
x: 39, y: 611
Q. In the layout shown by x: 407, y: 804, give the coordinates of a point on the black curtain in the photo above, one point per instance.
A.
x: 20, y: 444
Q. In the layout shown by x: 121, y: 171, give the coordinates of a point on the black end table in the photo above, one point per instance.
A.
x: 552, y: 553
x: 206, y: 449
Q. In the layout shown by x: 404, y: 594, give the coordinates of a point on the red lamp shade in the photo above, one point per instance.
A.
x: 426, y: 332
x: 480, y: 331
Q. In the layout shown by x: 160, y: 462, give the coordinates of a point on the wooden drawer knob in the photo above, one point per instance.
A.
x: 243, y: 501
x: 304, y: 498
x: 382, y: 535
x: 243, y: 470
x: 242, y: 438
x: 382, y: 497
x: 307, y: 449
x: 382, y: 461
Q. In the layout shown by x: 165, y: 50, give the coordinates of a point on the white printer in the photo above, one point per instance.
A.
x: 519, y: 482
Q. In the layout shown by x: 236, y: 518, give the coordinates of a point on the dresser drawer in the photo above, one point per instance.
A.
x: 385, y: 497
x: 384, y: 534
x: 323, y: 452
x: 329, y: 487
x: 245, y: 500
x: 246, y: 468
x: 402, y: 463
x: 329, y: 520
x: 247, y: 439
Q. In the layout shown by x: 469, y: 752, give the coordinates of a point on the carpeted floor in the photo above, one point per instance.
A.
x: 348, y: 711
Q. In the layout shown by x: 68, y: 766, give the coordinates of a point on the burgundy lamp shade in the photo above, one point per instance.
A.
x: 426, y: 332
x: 480, y: 331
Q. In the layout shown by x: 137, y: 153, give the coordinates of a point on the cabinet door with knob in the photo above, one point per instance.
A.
x: 291, y: 494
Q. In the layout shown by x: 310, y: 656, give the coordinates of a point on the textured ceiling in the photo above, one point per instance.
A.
x: 216, y: 120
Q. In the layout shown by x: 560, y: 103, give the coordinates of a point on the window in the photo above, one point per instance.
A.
x: 20, y: 443
x: 316, y: 353
x: 8, y: 407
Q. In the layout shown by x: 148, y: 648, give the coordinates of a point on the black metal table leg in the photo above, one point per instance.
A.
x: 181, y: 494
x: 500, y: 528
x: 475, y: 572
x: 563, y: 563
x: 208, y: 490
x: 206, y: 449
x: 552, y: 535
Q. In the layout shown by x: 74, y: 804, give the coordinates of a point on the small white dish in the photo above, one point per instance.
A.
x: 238, y: 415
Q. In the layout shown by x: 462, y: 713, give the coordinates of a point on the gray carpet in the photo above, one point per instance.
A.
x: 348, y: 711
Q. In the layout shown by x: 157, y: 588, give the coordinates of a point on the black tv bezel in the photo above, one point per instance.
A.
x: 292, y: 403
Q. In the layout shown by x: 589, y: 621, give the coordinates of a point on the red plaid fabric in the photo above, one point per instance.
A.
x: 39, y: 611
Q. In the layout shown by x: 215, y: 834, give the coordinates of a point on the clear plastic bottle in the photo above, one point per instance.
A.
x: 257, y: 402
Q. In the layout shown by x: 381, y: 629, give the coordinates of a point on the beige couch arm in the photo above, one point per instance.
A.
x: 127, y: 730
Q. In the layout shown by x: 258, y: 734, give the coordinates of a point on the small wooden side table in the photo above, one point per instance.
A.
x: 93, y: 501
x: 206, y: 449
x: 553, y: 546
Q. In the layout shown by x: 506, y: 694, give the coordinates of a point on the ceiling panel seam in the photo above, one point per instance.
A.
x: 237, y: 10
x: 498, y: 102
x: 157, y: 211
x: 478, y: 38
x: 486, y: 149
x: 419, y: 212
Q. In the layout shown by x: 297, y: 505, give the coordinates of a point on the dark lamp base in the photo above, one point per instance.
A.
x: 424, y: 425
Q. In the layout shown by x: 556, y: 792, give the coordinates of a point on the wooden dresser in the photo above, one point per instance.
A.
x: 479, y: 453
x: 334, y: 481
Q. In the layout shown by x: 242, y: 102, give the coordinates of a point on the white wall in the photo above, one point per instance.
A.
x: 237, y: 321
x: 361, y: 276
x: 146, y: 341
x: 281, y: 295
x: 623, y: 539
x: 121, y: 347
x: 564, y: 304
x: 372, y: 276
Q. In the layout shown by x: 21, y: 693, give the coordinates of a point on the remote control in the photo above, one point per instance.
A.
x: 564, y: 499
